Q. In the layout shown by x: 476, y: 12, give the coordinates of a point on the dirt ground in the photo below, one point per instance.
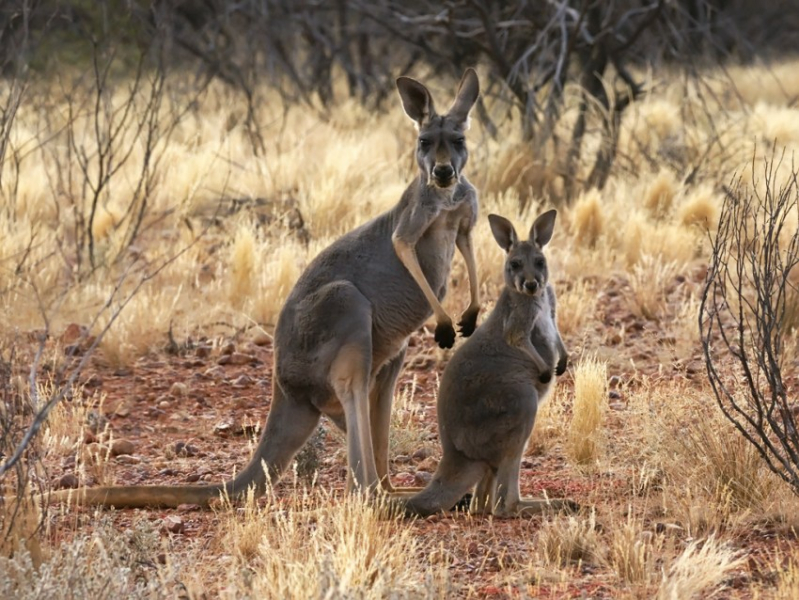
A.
x: 193, y: 414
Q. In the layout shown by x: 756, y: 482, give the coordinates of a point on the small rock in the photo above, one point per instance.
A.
x: 173, y: 524
x: 122, y: 446
x: 227, y: 428
x: 215, y: 373
x: 161, y: 558
x: 402, y: 459
x: 422, y: 478
x: 89, y: 437
x: 178, y: 389
x: 237, y: 358
x: 242, y: 381
x: 614, y: 395
x: 189, y: 507
x: 93, y: 381
x: 164, y: 404
x: 421, y: 453
x: 261, y: 338
x: 68, y: 481
x: 617, y: 406
x: 203, y: 351
x: 73, y: 333
x: 168, y: 472
x: 184, y: 449
x: 614, y: 339
x: 123, y: 410
x: 228, y: 348
x: 128, y: 459
x: 192, y: 477
x: 404, y: 479
x: 614, y: 381
x: 429, y: 464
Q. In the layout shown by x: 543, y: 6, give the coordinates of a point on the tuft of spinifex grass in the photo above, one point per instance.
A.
x: 583, y: 441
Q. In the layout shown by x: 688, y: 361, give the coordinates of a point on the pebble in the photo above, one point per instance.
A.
x: 178, y: 389
x: 122, y: 446
x: 261, y: 338
x: 184, y: 449
x: 128, y: 459
x: 173, y: 524
x: 237, y: 358
x: 422, y: 478
x: 67, y: 481
x: 203, y: 351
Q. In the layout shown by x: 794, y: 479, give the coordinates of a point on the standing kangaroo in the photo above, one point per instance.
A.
x: 491, y: 388
x: 341, y: 337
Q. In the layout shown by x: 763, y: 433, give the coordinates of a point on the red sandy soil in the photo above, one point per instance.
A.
x: 215, y: 408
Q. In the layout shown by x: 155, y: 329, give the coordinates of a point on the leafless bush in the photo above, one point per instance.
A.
x: 744, y: 318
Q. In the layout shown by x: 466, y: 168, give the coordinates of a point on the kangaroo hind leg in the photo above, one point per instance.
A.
x: 381, y: 400
x: 290, y: 423
x: 456, y: 475
x: 349, y: 376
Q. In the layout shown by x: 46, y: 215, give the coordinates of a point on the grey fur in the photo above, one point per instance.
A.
x: 491, y: 388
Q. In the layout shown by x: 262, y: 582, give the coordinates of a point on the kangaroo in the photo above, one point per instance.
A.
x: 491, y: 388
x: 341, y: 337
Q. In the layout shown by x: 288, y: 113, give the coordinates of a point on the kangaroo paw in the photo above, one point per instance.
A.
x: 445, y: 335
x: 468, y: 322
x: 545, y: 377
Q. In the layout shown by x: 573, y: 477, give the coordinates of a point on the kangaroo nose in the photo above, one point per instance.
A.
x: 531, y: 286
x: 443, y: 172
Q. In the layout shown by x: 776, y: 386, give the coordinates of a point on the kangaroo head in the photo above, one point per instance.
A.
x: 526, y: 270
x: 441, y: 147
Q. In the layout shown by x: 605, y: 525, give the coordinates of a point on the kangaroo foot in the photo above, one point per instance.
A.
x: 445, y: 334
x: 468, y: 322
x: 464, y: 503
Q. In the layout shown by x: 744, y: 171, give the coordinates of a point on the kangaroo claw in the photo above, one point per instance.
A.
x: 445, y: 335
x: 560, y: 369
x: 468, y: 322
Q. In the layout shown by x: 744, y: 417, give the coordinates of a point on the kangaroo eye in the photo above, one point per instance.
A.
x: 540, y: 263
x: 459, y: 142
x: 515, y: 265
x: 424, y: 144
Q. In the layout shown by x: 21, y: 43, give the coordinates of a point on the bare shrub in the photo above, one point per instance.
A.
x: 745, y: 314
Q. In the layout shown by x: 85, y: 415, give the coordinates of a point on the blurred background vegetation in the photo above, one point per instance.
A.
x: 531, y: 51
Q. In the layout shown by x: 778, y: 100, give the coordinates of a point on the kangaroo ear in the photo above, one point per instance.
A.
x: 468, y: 91
x: 416, y: 100
x: 503, y: 231
x: 541, y: 231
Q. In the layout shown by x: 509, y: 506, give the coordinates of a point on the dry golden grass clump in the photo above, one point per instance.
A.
x: 689, y: 488
x: 318, y: 545
x: 699, y: 571
x: 564, y: 541
x: 584, y: 438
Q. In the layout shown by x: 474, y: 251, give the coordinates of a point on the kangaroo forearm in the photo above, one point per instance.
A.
x: 407, y: 256
x: 464, y: 244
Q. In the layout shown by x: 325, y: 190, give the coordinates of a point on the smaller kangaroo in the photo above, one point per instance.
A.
x: 491, y: 388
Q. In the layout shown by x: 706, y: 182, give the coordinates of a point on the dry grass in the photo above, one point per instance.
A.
x: 680, y: 469
x: 584, y: 438
x: 317, y: 545
x: 699, y: 571
x: 566, y: 541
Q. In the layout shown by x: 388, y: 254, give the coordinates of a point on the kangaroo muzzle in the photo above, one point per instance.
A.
x: 443, y: 175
